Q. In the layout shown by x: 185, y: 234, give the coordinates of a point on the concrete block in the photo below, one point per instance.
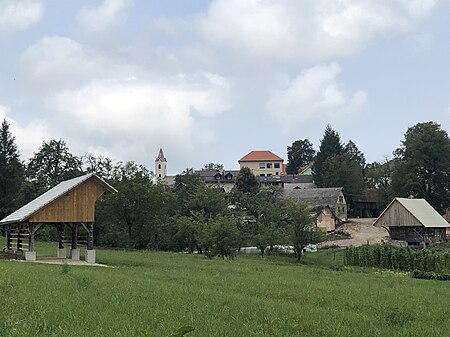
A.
x: 75, y: 254
x: 90, y: 256
x: 30, y: 256
x: 61, y: 253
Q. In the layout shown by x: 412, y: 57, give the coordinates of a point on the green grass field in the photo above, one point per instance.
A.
x: 154, y: 293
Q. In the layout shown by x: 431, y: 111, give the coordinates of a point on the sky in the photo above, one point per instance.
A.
x: 209, y: 81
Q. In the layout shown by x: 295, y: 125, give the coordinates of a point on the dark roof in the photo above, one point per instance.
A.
x: 261, y: 156
x: 62, y: 188
x: 298, y: 179
x: 313, y: 197
x: 160, y: 156
x: 367, y: 195
x: 226, y: 176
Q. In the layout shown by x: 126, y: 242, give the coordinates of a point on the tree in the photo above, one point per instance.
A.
x: 186, y: 185
x: 220, y: 237
x: 330, y: 146
x: 52, y: 164
x: 340, y: 166
x: 133, y: 217
x: 301, y: 226
x: 100, y: 165
x: 246, y: 182
x: 300, y: 153
x: 355, y: 155
x: 213, y: 166
x: 422, y: 165
x: 379, y: 176
x: 11, y: 172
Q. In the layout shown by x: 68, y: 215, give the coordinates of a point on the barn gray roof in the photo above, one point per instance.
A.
x: 44, y: 199
x: 421, y: 210
x: 313, y: 197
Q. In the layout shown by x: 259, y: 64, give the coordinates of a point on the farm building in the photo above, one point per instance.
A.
x: 328, y: 203
x: 69, y: 205
x: 413, y: 221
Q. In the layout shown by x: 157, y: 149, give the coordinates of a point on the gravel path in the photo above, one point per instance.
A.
x: 362, y: 232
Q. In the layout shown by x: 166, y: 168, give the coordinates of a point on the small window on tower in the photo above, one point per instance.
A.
x: 159, y: 175
x: 159, y: 166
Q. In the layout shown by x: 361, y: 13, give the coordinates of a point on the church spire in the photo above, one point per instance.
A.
x: 161, y: 155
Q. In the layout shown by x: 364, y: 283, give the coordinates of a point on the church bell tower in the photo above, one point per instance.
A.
x: 160, y: 165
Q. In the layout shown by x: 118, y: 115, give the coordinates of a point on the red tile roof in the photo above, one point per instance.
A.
x: 260, y: 156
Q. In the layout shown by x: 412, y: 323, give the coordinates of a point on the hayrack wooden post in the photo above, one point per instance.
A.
x: 74, y: 229
x: 31, y: 229
x: 90, y: 238
x: 8, y: 239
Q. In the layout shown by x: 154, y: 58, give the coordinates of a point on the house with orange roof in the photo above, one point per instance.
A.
x: 262, y: 163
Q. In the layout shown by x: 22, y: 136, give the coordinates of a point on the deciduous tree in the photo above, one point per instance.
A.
x: 52, y: 164
x: 422, y: 165
x: 300, y: 153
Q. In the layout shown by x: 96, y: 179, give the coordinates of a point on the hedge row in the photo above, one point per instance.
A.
x: 397, y: 258
x: 429, y: 275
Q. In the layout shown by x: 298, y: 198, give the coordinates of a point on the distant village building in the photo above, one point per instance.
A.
x: 161, y: 165
x: 328, y: 203
x: 161, y: 170
x: 262, y: 163
x: 221, y: 179
x: 414, y: 221
x: 365, y: 204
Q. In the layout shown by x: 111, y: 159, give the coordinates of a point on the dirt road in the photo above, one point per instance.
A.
x: 362, y: 232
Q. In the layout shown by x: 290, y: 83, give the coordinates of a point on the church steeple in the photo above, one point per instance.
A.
x: 161, y: 165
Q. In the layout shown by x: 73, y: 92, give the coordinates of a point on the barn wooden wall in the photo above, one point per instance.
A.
x: 326, y: 221
x: 397, y: 215
x: 78, y: 205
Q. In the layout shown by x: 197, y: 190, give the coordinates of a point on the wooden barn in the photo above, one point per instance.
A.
x: 328, y: 204
x: 69, y: 206
x: 414, y: 221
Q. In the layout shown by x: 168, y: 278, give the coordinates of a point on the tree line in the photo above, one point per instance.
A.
x: 193, y: 217
x: 419, y: 168
x: 188, y: 217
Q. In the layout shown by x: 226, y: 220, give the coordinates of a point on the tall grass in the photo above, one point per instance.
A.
x: 152, y: 294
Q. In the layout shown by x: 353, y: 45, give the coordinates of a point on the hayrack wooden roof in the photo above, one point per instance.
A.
x: 37, y: 207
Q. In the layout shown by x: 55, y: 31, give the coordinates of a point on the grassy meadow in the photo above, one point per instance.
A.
x: 147, y: 293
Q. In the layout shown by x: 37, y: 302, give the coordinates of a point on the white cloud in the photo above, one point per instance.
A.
x: 55, y: 61
x: 313, y: 94
x: 308, y: 30
x: 131, y: 117
x: 114, y: 101
x: 103, y: 17
x: 17, y: 15
x: 29, y: 137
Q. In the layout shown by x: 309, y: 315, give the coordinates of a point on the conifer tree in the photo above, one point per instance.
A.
x: 11, y: 172
x: 330, y: 146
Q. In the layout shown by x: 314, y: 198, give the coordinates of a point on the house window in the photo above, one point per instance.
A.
x: 276, y: 165
x: 159, y: 166
x: 341, y: 198
x: 269, y: 174
x: 262, y: 175
x: 262, y: 165
x: 277, y: 173
x: 339, y: 209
